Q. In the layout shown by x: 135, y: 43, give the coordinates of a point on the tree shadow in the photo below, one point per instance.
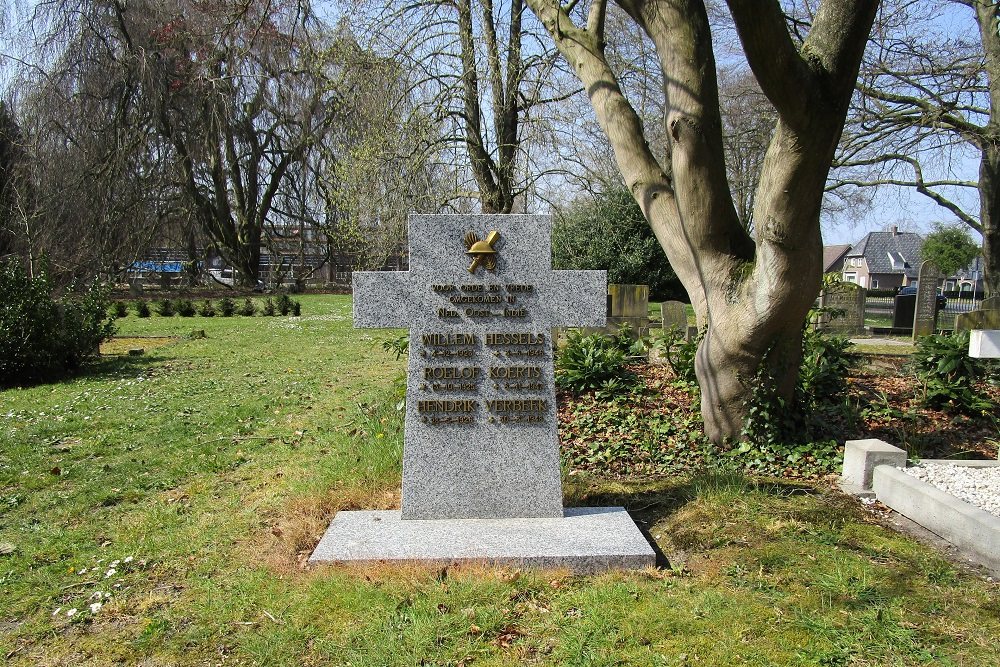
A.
x: 651, y: 506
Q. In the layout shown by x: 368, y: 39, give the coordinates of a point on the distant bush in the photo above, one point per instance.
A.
x: 296, y: 308
x: 284, y: 304
x: 141, y: 308
x: 227, y: 307
x: 207, y: 309
x: 590, y: 362
x: 42, y: 338
x: 119, y: 309
x: 268, y: 310
x: 248, y: 309
x: 165, y: 308
x: 185, y: 308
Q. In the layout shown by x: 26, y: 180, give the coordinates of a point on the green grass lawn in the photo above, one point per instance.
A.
x: 183, y: 489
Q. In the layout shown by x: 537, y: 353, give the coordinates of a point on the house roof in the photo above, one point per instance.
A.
x: 833, y: 253
x: 890, y: 252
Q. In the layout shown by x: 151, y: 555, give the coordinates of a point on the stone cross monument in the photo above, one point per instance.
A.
x: 481, y: 452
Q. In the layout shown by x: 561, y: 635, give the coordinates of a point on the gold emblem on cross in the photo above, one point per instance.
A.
x: 482, y: 252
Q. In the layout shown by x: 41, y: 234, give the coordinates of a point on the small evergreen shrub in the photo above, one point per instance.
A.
x: 227, y: 307
x: 249, y: 308
x: 185, y: 308
x: 284, y: 304
x: 142, y: 308
x: 165, y: 308
x: 826, y: 363
x: 119, y: 309
x: 42, y: 338
x: 207, y: 309
x: 947, y: 374
x: 296, y: 308
x: 589, y: 362
x: 268, y: 309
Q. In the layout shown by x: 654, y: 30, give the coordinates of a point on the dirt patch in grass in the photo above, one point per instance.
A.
x: 292, y: 533
x: 118, y: 346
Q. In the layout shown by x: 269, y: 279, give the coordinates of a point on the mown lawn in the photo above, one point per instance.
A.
x: 183, y: 489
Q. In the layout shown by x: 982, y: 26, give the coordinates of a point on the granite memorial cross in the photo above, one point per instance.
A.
x: 480, y: 441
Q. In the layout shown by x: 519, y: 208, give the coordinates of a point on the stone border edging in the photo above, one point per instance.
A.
x: 961, y: 523
x: 871, y: 467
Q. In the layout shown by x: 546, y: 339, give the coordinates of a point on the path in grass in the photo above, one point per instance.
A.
x: 181, y: 489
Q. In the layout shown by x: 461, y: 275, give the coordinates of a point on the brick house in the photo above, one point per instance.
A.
x: 884, y: 260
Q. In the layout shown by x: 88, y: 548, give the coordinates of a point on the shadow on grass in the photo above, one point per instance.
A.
x: 652, y: 503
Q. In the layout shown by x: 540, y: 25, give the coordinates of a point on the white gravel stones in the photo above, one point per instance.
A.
x: 976, y: 486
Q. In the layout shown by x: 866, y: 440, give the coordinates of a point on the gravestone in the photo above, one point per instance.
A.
x: 674, y: 315
x: 628, y: 304
x: 987, y: 316
x: 844, y: 307
x: 481, y: 467
x: 925, y: 311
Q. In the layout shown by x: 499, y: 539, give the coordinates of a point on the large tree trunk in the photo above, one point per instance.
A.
x: 989, y: 217
x: 750, y: 296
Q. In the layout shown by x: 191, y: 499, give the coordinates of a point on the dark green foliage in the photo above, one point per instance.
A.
x: 589, y: 362
x: 248, y: 309
x: 948, y: 374
x: 142, y: 308
x: 207, y: 309
x: 227, y: 307
x: 165, y: 308
x: 679, y: 353
x: 611, y: 233
x: 776, y: 432
x: 826, y: 363
x: 119, y: 309
x: 284, y: 304
x: 399, y: 346
x: 296, y: 308
x: 268, y: 309
x: 185, y: 308
x: 42, y: 338
x: 949, y: 248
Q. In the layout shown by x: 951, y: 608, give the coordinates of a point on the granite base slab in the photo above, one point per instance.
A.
x: 585, y: 539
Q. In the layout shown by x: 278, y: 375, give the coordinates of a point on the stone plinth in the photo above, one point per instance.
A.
x: 586, y: 539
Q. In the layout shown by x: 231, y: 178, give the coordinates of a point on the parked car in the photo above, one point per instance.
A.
x: 942, y: 301
x: 228, y: 277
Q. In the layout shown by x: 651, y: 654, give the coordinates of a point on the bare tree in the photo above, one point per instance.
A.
x: 484, y: 73
x: 750, y: 295
x: 929, y: 103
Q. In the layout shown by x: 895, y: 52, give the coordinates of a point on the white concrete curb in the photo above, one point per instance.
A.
x: 964, y: 525
x: 874, y: 466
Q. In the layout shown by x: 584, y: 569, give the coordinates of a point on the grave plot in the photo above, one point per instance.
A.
x: 481, y: 471
x: 956, y: 500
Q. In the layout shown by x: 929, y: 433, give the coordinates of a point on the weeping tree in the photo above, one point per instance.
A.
x: 750, y: 295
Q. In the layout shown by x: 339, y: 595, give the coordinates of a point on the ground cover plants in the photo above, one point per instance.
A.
x: 169, y: 501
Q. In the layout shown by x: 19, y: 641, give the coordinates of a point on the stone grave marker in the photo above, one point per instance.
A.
x: 674, y: 315
x: 987, y: 316
x: 925, y: 311
x: 481, y: 469
x: 847, y: 308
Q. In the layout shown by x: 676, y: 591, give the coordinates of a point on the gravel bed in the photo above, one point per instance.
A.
x: 976, y: 486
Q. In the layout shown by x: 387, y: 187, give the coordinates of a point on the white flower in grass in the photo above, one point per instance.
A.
x: 110, y: 573
x: 56, y: 612
x: 128, y: 559
x: 96, y: 607
x: 114, y: 563
x: 72, y: 612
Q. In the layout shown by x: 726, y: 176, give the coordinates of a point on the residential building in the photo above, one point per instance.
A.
x: 884, y: 260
